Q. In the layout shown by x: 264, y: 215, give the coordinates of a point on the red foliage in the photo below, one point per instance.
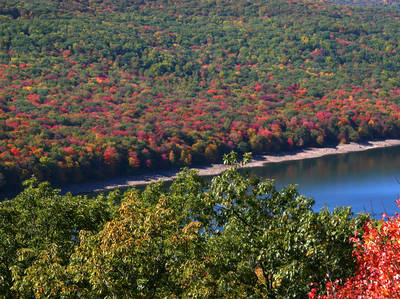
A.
x: 77, y: 108
x: 15, y: 152
x: 378, y: 257
x: 290, y: 141
x: 110, y: 154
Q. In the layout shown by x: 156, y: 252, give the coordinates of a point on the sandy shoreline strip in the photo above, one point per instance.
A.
x: 214, y: 169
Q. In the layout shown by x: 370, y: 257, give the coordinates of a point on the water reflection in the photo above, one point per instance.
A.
x: 366, y: 181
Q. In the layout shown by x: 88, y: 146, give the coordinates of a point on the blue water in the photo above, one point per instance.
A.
x: 366, y: 181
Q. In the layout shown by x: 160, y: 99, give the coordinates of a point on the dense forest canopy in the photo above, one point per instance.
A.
x: 391, y: 3
x: 90, y: 89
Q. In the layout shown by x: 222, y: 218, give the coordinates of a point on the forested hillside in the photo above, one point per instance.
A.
x: 391, y: 3
x: 91, y: 89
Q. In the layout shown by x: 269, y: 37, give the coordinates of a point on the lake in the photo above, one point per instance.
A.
x: 366, y: 181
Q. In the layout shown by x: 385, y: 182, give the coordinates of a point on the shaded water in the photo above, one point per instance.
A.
x: 366, y: 181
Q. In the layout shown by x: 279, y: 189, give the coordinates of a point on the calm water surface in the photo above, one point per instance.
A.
x: 366, y: 181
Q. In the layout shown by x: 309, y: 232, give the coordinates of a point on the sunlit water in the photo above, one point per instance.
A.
x: 366, y: 181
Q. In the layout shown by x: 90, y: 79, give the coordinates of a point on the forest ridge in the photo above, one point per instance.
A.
x: 391, y: 3
x: 92, y: 89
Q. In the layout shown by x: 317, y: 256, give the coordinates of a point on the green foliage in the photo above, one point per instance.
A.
x: 389, y: 3
x: 38, y: 219
x: 237, y: 236
x: 91, y: 89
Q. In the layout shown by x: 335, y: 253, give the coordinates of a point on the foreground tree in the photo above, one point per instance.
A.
x: 263, y: 242
x: 38, y: 219
x: 235, y: 237
x: 378, y: 259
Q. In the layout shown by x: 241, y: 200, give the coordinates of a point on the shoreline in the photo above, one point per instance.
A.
x: 215, y: 169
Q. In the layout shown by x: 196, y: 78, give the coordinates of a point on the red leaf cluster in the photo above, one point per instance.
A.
x: 378, y: 256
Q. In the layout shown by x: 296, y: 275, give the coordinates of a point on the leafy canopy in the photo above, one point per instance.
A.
x: 237, y: 236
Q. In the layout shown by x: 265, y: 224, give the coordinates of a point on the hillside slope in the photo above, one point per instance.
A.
x: 388, y: 3
x: 92, y: 89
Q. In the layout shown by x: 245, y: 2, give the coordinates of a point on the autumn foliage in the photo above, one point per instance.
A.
x: 378, y: 257
x: 92, y: 89
x: 234, y: 237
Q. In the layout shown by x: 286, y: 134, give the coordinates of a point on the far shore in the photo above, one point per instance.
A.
x: 215, y: 169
